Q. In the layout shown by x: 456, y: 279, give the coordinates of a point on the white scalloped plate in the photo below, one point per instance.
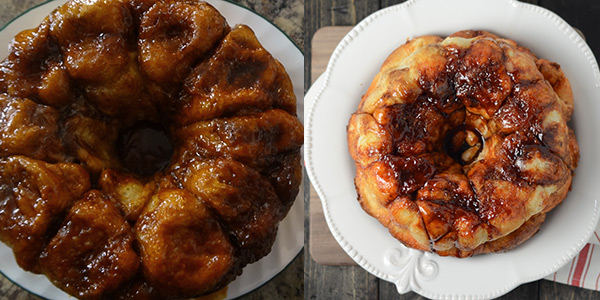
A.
x: 335, y: 97
x: 290, y: 236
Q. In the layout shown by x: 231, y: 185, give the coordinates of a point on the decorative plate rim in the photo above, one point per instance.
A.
x: 322, y: 84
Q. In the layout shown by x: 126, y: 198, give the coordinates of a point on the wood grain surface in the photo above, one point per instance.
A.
x: 331, y: 274
x: 324, y: 249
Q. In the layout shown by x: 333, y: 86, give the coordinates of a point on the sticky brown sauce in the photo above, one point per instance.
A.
x: 218, y: 295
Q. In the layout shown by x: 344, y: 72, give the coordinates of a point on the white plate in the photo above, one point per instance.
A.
x: 351, y: 68
x: 290, y: 237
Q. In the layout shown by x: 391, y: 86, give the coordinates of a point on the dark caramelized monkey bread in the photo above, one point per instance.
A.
x: 461, y: 144
x: 147, y: 149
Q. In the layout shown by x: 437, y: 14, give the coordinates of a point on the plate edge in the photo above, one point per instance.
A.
x: 563, y: 26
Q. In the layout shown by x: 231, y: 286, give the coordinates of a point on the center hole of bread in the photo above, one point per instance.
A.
x: 144, y: 148
x: 463, y: 144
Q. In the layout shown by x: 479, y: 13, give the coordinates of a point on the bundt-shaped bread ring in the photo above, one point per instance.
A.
x: 147, y: 149
x: 461, y: 144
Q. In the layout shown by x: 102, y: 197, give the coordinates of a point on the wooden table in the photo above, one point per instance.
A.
x: 289, y: 283
x: 344, y: 280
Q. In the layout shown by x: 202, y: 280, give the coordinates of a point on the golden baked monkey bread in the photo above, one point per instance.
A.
x: 461, y: 144
x: 148, y: 150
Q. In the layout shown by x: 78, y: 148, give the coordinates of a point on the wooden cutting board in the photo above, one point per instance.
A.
x: 323, y: 247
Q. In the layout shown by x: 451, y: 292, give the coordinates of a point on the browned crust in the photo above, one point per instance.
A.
x: 73, y: 88
x: 522, y: 163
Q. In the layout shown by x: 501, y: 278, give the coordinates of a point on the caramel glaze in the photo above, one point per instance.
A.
x: 462, y: 142
x: 148, y: 150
